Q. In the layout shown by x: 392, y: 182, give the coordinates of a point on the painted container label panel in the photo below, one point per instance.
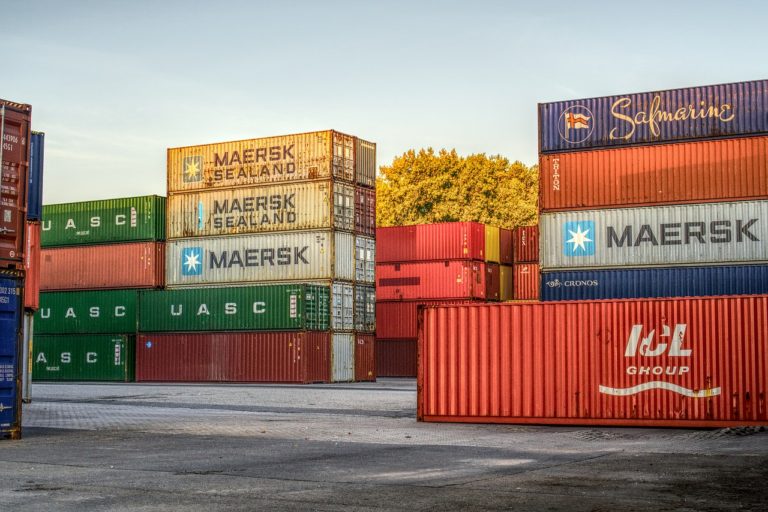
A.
x: 83, y: 358
x: 87, y: 312
x: 10, y: 328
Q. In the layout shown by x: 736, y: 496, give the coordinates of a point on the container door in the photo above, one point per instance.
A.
x: 10, y: 330
x: 343, y: 357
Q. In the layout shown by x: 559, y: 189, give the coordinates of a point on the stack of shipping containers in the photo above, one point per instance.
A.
x: 95, y: 257
x: 269, y: 263
x: 431, y: 264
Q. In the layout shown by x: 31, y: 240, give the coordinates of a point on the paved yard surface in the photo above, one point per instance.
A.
x: 351, y: 447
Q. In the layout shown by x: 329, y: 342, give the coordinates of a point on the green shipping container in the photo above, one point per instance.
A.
x: 84, y: 357
x: 247, y: 308
x: 87, y: 312
x: 129, y: 219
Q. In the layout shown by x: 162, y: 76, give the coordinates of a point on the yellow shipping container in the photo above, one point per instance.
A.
x: 492, y: 245
x: 506, y: 289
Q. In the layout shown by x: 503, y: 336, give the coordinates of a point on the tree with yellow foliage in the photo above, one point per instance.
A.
x: 425, y: 187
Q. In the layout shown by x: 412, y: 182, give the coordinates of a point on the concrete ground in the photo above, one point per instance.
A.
x: 351, y: 447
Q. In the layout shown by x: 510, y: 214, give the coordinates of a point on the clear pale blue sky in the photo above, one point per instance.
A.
x: 113, y: 84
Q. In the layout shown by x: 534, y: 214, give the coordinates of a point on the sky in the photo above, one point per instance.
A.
x: 113, y: 84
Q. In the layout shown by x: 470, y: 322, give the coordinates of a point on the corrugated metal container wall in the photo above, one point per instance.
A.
x: 526, y: 281
x: 14, y: 167
x: 10, y: 354
x: 305, y: 156
x: 365, y: 308
x: 32, y: 266
x: 692, y: 172
x: 677, y: 363
x: 506, y: 252
x: 365, y: 358
x: 662, y: 236
x: 342, y: 357
x: 365, y: 259
x: 87, y: 312
x: 492, y: 244
x: 506, y: 282
x: 661, y: 116
x: 35, y: 185
x: 108, y: 266
x: 238, y: 308
x: 365, y: 211
x: 398, y: 319
x: 129, y: 219
x: 89, y: 357
x: 425, y: 242
x: 525, y: 241
x: 396, y: 358
x: 492, y: 282
x: 258, y: 258
x: 295, y: 357
x: 654, y: 282
x: 365, y: 163
x: 342, y: 307
x: 431, y: 280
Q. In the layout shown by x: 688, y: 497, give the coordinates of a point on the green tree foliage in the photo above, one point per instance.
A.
x: 425, y: 187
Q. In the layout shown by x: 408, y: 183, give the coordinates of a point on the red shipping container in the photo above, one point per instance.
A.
x: 89, y: 267
x: 365, y: 358
x: 697, y: 362
x: 431, y: 280
x: 32, y: 266
x: 396, y: 358
x: 690, y: 172
x: 527, y: 281
x: 14, y: 167
x: 492, y: 282
x: 398, y: 319
x: 506, y: 250
x: 365, y: 211
x: 525, y: 240
x: 426, y: 242
x: 296, y: 357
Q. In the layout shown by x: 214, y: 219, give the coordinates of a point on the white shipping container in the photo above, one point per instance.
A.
x: 240, y: 259
x: 365, y: 259
x: 696, y: 234
x: 342, y: 307
x: 342, y: 357
x: 365, y: 308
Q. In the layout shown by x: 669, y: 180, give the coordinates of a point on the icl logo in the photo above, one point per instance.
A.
x: 579, y: 238
x: 192, y: 261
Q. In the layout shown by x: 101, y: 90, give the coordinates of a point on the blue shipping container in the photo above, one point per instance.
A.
x: 35, y: 190
x: 654, y: 282
x: 714, y: 111
x: 10, y: 334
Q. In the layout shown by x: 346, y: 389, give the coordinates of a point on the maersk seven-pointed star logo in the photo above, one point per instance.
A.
x: 192, y: 261
x: 579, y: 238
x: 193, y: 169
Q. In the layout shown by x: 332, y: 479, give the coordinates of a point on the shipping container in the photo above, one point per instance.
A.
x: 398, y: 319
x: 25, y: 359
x: 425, y: 242
x: 699, y: 362
x: 242, y: 259
x: 365, y: 358
x: 654, y: 282
x: 506, y: 252
x: 293, y: 357
x: 35, y: 184
x: 342, y: 357
x: 14, y: 168
x: 525, y: 244
x: 277, y: 207
x: 365, y: 308
x: 11, y: 307
x: 245, y: 308
x: 32, y: 266
x: 342, y: 307
x: 452, y: 279
x: 713, y: 233
x: 492, y: 244
x: 90, y: 357
x: 87, y: 312
x: 129, y: 219
x: 365, y: 163
x: 343, y: 156
x: 106, y: 266
x: 492, y: 282
x: 691, y: 172
x: 526, y: 281
x: 396, y: 358
x: 714, y: 111
x: 365, y: 211
x: 506, y: 282
x: 365, y: 259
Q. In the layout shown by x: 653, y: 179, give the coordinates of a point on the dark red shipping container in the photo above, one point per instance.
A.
x: 396, y: 358
x: 398, y: 319
x: 492, y: 282
x: 295, y: 357
x: 15, y: 135
x: 89, y: 267
x: 32, y: 266
x: 695, y: 362
x: 525, y: 240
x: 454, y: 279
x: 365, y: 357
x: 365, y: 211
x: 527, y: 281
x: 690, y: 172
x: 506, y: 247
x: 426, y: 242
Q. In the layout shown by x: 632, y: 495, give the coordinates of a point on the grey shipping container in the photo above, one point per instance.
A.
x: 365, y: 308
x: 365, y: 259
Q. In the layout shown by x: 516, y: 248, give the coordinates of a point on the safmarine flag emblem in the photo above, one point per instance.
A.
x: 576, y: 124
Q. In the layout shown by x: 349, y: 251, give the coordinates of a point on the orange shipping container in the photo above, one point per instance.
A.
x: 527, y: 281
x: 32, y: 267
